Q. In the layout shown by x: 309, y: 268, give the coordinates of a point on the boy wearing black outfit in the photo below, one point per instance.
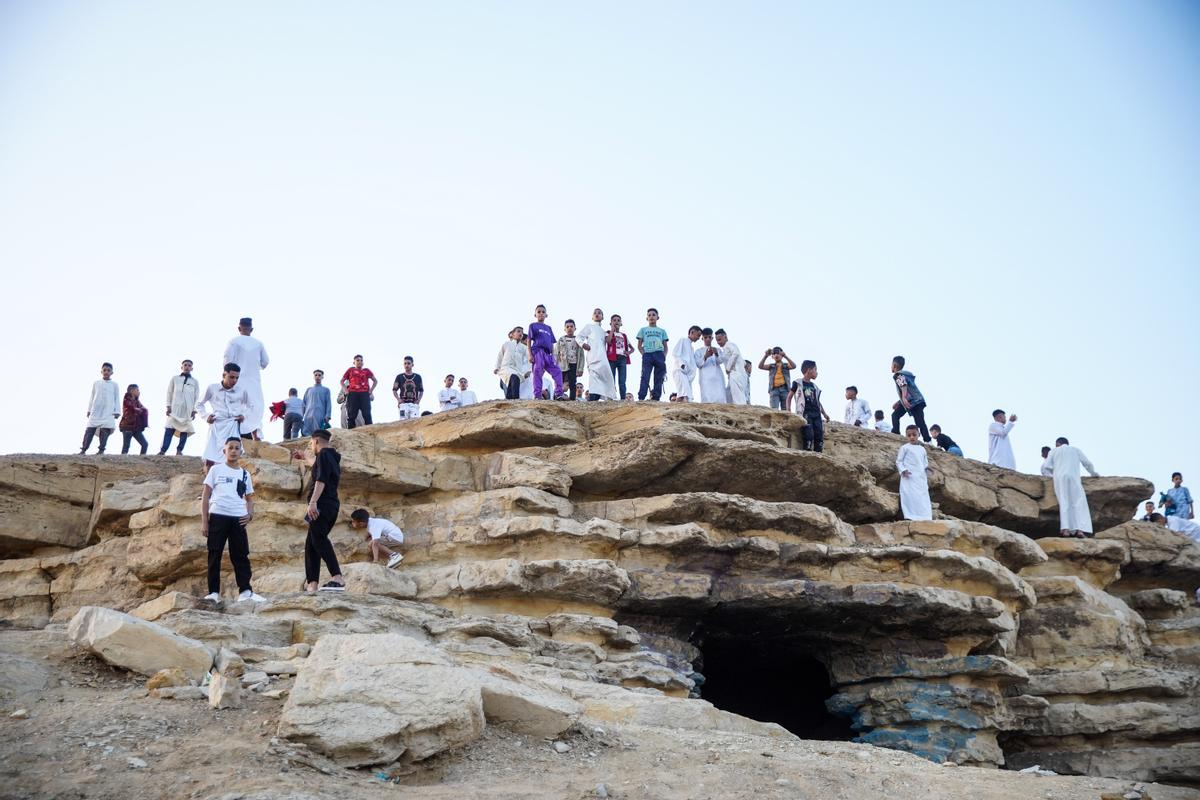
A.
x: 323, y: 507
x: 226, y: 507
x: 808, y: 403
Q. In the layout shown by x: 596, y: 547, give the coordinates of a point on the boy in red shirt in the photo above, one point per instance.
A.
x: 617, y: 346
x: 359, y: 384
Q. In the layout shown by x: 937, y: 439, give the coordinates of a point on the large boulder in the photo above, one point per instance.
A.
x: 137, y: 645
x: 373, y: 699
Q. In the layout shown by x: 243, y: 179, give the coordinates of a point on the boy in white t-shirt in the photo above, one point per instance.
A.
x: 380, y: 533
x: 448, y: 398
x: 226, y: 507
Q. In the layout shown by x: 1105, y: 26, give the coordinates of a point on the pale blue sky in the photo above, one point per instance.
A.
x: 1007, y: 194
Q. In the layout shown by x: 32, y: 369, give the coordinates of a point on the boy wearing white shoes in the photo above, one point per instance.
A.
x: 226, y: 507
x: 380, y: 533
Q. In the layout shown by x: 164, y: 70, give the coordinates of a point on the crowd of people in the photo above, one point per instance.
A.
x: 704, y: 366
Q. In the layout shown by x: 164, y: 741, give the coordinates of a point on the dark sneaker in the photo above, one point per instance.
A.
x: 333, y: 587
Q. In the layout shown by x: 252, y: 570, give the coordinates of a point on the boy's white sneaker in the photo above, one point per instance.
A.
x: 394, y: 560
x: 251, y: 596
x: 213, y: 598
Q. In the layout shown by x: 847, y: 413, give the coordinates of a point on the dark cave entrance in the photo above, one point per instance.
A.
x: 769, y: 682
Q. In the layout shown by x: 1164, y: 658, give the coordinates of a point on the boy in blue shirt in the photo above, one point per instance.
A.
x: 1178, y: 500
x: 652, y: 344
x: 541, y: 344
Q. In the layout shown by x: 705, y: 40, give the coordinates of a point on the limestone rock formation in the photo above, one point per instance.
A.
x: 623, y: 564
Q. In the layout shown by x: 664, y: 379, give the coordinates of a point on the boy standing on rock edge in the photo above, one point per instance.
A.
x: 323, y: 507
x: 226, y: 507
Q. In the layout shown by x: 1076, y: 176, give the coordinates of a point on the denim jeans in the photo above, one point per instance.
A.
x: 779, y: 398
x: 126, y: 436
x: 90, y: 433
x: 814, y: 433
x: 618, y: 371
x: 167, y: 435
x: 955, y: 450
x: 655, y: 362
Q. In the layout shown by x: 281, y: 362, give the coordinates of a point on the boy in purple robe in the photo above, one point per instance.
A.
x: 541, y: 343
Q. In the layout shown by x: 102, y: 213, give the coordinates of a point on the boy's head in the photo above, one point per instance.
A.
x: 132, y: 390
x: 673, y: 397
x: 629, y: 395
x: 879, y: 416
x: 320, y: 440
x: 186, y: 366
x: 292, y: 393
x: 694, y: 332
x: 1150, y: 507
x: 579, y: 388
x: 539, y: 313
x: 462, y: 384
x: 1177, y: 478
x: 934, y: 430
x: 1000, y: 416
x: 318, y: 375
x: 808, y: 368
x: 597, y: 315
x: 615, y: 320
x: 1060, y: 441
x: 1157, y: 518
x: 569, y: 327
x: 232, y: 449
x: 749, y: 366
x: 230, y: 375
x: 359, y: 518
x: 358, y: 361
x: 777, y: 354
x: 516, y: 333
x: 721, y: 336
x: 652, y: 316
x: 897, y: 363
x: 408, y: 363
x: 911, y: 432
x: 1045, y: 450
x: 448, y: 381
x: 707, y: 334
x: 245, y: 326
x: 851, y: 392
x: 106, y: 370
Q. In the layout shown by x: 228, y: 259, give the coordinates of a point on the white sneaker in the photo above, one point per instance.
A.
x: 394, y: 560
x: 212, y: 598
x: 251, y: 596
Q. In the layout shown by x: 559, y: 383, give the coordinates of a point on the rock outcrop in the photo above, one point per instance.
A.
x: 626, y: 562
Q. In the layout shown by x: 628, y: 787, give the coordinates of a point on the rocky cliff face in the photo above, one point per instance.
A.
x: 612, y: 560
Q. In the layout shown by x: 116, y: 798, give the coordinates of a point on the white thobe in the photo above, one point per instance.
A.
x: 467, y: 398
x: 1000, y: 452
x: 1063, y: 464
x: 104, y: 406
x: 1046, y: 473
x: 227, y: 405
x: 250, y: 355
x: 510, y: 361
x: 684, y: 368
x: 600, y: 377
x: 914, y: 490
x: 738, y: 392
x: 181, y: 403
x: 526, y: 371
x: 883, y: 426
x: 712, y: 375
x: 448, y: 399
x: 858, y: 411
x: 1187, y: 527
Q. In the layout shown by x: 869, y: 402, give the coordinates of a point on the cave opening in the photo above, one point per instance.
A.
x: 771, y: 682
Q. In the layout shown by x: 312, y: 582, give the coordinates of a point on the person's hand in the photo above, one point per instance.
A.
x: 211, y: 419
x: 827, y: 418
x: 372, y: 397
x: 297, y: 455
x: 858, y: 423
x: 1013, y: 418
x: 896, y: 405
x: 204, y: 530
x: 906, y: 474
x: 767, y: 352
x: 193, y: 415
x: 240, y: 417
x: 169, y: 411
x: 246, y: 519
x: 313, y: 511
x: 495, y: 372
x: 586, y: 346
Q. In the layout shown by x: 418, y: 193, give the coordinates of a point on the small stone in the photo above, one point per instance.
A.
x: 173, y: 676
x: 97, y: 767
x: 949, y: 763
x: 136, y: 763
x: 276, y: 694
x: 561, y: 747
x: 782, y: 782
x: 20, y: 713
x: 601, y: 790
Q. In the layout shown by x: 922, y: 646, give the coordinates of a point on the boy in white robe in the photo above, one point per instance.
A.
x: 104, y: 408
x: 738, y: 389
x: 858, y: 413
x: 250, y: 355
x: 708, y: 365
x: 881, y: 424
x: 510, y: 365
x: 229, y: 403
x: 683, y: 370
x: 1000, y: 451
x: 183, y: 392
x: 1046, y: 473
x: 1187, y: 527
x: 448, y: 398
x: 1063, y: 463
x: 601, y: 384
x: 466, y: 397
x: 913, y: 464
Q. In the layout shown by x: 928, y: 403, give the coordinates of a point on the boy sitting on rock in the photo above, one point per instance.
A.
x: 380, y: 533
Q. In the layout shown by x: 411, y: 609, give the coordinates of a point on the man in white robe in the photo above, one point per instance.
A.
x: 913, y: 464
x: 229, y: 403
x: 249, y: 354
x: 708, y: 366
x: 683, y: 368
x: 466, y: 397
x: 858, y: 413
x: 104, y: 408
x: 1000, y: 451
x: 601, y: 384
x: 738, y: 391
x: 183, y: 392
x: 1187, y: 527
x: 1063, y: 463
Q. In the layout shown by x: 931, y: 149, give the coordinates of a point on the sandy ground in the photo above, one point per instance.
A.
x: 91, y: 728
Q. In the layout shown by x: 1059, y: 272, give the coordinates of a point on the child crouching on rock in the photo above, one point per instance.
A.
x: 380, y: 533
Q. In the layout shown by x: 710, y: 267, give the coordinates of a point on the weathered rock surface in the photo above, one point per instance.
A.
x: 134, y: 644
x: 569, y: 564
